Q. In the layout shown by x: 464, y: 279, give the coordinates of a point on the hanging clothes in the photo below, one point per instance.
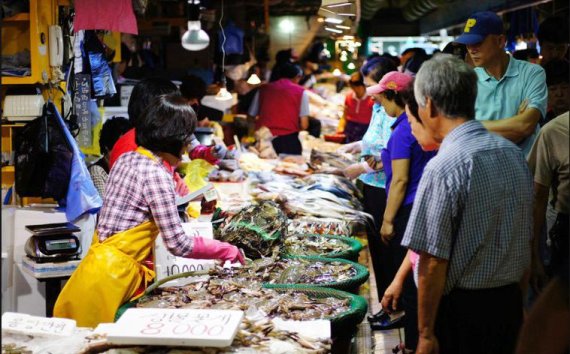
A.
x: 111, y: 15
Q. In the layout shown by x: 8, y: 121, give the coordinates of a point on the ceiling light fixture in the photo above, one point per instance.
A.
x: 223, y: 94
x: 342, y: 27
x: 326, y: 10
x: 333, y: 30
x: 345, y: 14
x: 336, y: 72
x: 339, y: 4
x: 333, y: 20
x: 253, y: 79
x: 195, y: 38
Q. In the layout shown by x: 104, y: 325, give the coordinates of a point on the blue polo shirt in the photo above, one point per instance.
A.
x: 403, y: 145
x: 499, y: 99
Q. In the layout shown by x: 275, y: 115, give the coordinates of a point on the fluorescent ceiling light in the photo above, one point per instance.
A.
x: 343, y: 27
x: 339, y: 4
x: 325, y: 10
x: 345, y: 14
x: 333, y: 30
x: 333, y: 20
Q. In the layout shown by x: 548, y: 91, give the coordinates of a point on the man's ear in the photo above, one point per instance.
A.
x: 430, y: 108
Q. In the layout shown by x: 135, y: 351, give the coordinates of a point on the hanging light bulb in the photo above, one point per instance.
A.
x: 351, y: 66
x: 195, y: 38
x: 253, y: 79
x: 336, y: 72
x: 223, y: 94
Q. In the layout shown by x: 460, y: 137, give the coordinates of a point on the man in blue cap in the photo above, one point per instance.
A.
x: 512, y: 94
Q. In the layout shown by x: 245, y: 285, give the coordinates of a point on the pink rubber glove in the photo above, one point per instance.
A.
x: 205, y: 248
x: 203, y: 152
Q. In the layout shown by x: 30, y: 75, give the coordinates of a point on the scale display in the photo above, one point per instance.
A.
x: 62, y: 244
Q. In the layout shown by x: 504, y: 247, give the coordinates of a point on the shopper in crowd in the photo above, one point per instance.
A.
x: 139, y: 204
x: 391, y: 299
x: 408, y: 54
x: 558, y: 82
x: 375, y: 68
x: 553, y: 39
x: 504, y: 83
x: 357, y: 110
x: 282, y: 59
x: 403, y: 161
x: 283, y: 107
x: 193, y: 89
x: 371, y: 174
x: 549, y: 162
x: 471, y: 221
x: 110, y: 133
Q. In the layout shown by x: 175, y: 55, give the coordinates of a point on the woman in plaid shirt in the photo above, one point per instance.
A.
x: 139, y: 204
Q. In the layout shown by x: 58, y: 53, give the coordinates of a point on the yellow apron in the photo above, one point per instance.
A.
x: 109, y: 275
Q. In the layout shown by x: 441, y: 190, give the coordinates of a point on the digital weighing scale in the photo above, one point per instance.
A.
x: 53, y: 242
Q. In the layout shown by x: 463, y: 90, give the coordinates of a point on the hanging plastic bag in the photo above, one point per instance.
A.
x: 196, y: 173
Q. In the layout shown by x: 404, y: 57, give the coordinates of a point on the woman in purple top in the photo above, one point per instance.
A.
x: 404, y: 161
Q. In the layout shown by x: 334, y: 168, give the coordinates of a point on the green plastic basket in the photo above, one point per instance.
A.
x: 351, y: 285
x: 342, y: 325
x: 350, y: 254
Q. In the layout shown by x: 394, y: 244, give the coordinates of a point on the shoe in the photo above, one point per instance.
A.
x: 386, y: 321
x: 377, y: 316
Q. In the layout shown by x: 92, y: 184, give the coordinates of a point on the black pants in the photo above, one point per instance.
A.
x: 391, y: 257
x: 374, y: 204
x: 288, y: 144
x: 559, y: 237
x: 480, y: 321
x: 314, y: 127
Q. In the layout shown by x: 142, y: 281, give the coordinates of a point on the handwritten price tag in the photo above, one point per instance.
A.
x: 35, y: 325
x: 167, y: 264
x: 181, y: 327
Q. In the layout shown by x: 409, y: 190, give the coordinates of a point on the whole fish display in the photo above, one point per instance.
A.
x: 330, y: 162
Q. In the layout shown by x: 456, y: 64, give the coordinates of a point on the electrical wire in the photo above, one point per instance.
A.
x: 223, y: 42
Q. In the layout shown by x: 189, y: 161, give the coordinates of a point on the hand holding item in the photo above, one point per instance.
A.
x: 351, y: 148
x: 219, y: 151
x: 391, y: 296
x: 213, y: 249
x: 180, y: 186
x: 387, y: 231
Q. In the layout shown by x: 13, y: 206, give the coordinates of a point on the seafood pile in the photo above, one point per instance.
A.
x: 323, y: 226
x: 289, y: 271
x: 330, y: 162
x: 317, y: 196
x: 312, y: 245
x: 255, y: 301
x: 256, y: 229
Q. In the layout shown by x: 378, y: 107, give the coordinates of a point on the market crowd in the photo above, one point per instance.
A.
x: 464, y: 167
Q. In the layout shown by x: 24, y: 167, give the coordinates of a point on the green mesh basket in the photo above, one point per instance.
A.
x: 344, y: 324
x: 350, y: 254
x: 351, y: 285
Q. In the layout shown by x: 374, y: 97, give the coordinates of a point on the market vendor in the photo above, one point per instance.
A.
x: 283, y: 107
x: 139, y: 204
x: 357, y: 110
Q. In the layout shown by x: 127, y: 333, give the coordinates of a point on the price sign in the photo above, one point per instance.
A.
x: 167, y: 264
x: 35, y: 325
x: 181, y: 327
x: 81, y: 102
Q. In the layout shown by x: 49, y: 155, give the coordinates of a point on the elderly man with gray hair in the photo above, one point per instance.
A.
x: 471, y: 222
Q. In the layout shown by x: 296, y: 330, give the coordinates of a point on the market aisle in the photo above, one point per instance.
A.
x: 375, y: 342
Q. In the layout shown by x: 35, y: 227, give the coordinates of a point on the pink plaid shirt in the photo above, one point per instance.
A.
x: 140, y: 189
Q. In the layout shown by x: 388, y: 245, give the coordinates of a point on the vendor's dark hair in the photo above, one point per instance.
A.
x: 144, y: 92
x: 111, y: 132
x: 193, y: 87
x: 167, y: 125
x: 409, y: 99
x: 394, y: 96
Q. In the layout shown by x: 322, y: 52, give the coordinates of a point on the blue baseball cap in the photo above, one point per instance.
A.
x: 479, y: 25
